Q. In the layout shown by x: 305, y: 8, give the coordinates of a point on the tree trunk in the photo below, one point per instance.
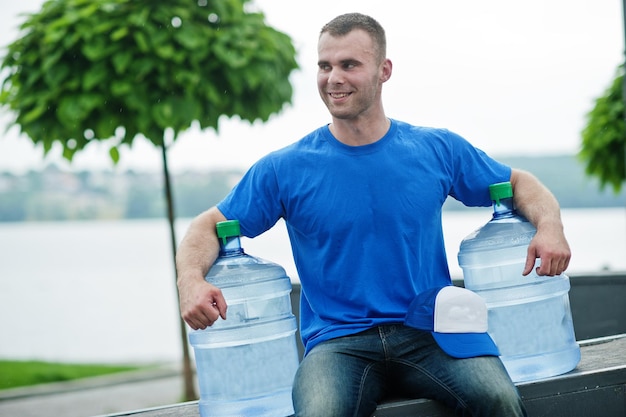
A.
x: 189, y: 386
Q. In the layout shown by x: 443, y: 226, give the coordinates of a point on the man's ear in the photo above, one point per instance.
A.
x: 387, y: 67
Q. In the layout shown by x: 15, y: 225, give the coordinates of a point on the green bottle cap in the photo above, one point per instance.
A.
x: 500, y: 190
x: 228, y: 228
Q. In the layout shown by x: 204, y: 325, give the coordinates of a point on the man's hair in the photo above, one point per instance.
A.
x: 346, y: 23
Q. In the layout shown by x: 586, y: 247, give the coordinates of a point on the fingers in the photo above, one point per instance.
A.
x: 202, y: 317
x: 221, y: 306
x: 554, y: 253
x: 552, y: 267
x: 530, y: 261
x: 203, y: 307
x: 545, y: 268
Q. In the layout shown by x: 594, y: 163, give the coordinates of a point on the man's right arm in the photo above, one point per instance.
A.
x: 201, y: 303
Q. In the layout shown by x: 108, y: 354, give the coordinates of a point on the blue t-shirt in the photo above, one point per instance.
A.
x: 364, y: 221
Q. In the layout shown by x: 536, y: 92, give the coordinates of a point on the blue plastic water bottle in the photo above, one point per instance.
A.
x: 529, y: 316
x: 246, y: 364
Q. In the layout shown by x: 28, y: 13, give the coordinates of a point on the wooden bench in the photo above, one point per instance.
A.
x: 597, y: 387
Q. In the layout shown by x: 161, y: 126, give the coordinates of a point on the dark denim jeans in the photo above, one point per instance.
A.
x: 349, y: 376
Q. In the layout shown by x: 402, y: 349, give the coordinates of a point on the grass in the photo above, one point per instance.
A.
x: 23, y: 373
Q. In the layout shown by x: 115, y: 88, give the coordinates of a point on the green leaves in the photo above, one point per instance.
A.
x: 94, y: 76
x: 604, y: 137
x: 141, y: 67
x: 114, y: 153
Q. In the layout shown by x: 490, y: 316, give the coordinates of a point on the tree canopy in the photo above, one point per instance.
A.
x: 84, y: 70
x: 114, y: 70
x: 604, y: 137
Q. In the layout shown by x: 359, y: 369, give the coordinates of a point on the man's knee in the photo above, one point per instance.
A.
x: 487, y: 390
x: 315, y: 392
x: 505, y: 401
x: 499, y: 400
x: 324, y: 386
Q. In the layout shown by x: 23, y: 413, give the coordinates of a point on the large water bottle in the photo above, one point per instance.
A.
x: 529, y: 316
x: 246, y: 364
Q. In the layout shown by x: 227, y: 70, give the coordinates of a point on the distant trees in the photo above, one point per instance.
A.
x: 55, y: 195
x: 12, y: 200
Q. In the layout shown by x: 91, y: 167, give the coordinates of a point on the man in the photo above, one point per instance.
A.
x: 362, y: 198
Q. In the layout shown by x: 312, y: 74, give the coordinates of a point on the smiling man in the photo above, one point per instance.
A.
x: 362, y: 200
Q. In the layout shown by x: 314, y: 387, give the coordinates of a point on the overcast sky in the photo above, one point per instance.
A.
x: 514, y: 78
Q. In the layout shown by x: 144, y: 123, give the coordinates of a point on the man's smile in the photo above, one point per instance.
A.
x: 339, y: 95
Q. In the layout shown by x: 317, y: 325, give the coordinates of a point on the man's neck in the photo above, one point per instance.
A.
x: 358, y: 132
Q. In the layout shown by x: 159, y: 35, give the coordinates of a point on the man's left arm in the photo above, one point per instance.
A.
x: 534, y: 201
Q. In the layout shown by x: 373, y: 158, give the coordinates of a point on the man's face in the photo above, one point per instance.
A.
x: 350, y: 76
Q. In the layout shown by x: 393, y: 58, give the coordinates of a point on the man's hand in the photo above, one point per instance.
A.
x: 553, y: 250
x: 201, y: 303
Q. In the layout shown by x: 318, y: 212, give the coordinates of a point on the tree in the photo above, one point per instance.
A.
x: 604, y: 137
x: 117, y: 70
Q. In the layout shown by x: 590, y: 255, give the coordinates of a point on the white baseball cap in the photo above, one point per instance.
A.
x: 457, y: 318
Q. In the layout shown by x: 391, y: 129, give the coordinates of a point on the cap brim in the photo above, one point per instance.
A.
x: 466, y: 345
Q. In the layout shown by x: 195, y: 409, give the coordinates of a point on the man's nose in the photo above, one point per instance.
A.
x: 335, y: 76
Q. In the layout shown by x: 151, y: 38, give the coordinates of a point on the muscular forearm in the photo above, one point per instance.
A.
x: 541, y: 208
x: 200, y: 302
x: 200, y: 247
x: 535, y: 201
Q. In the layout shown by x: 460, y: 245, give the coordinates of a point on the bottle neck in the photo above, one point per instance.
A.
x: 506, y: 208
x: 230, y: 246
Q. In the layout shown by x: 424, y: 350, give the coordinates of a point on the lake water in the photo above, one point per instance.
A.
x: 105, y: 291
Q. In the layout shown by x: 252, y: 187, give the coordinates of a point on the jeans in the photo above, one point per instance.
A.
x: 349, y: 376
